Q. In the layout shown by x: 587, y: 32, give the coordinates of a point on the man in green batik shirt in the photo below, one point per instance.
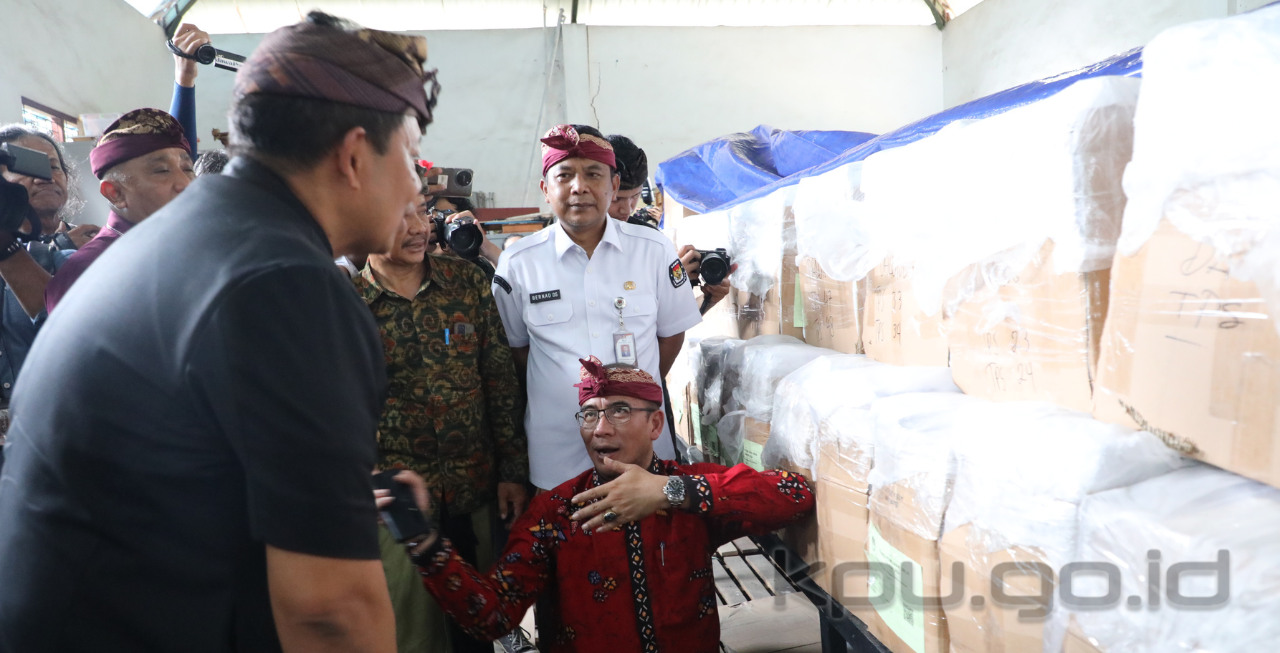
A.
x: 453, y: 412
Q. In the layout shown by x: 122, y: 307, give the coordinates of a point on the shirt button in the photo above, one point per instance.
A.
x: 550, y: 316
x: 594, y: 335
x: 6, y: 386
x: 591, y: 303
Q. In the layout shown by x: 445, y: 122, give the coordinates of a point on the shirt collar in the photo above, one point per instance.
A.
x: 258, y: 174
x: 371, y: 289
x: 612, y: 236
x: 117, y: 223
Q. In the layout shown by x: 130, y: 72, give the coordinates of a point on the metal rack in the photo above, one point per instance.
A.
x: 842, y: 632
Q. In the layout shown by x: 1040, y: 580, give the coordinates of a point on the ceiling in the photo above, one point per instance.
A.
x: 259, y: 16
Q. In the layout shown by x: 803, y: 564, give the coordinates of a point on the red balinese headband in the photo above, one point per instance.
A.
x: 599, y: 381
x: 564, y: 142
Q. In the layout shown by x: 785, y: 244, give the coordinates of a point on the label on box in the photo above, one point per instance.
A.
x: 798, y: 318
x: 906, y: 621
x: 711, y: 437
x: 695, y: 419
x: 752, y: 455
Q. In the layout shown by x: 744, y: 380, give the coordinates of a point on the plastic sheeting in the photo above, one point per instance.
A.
x: 1207, y: 148
x: 833, y: 226
x: 1193, y: 515
x: 1125, y: 64
x: 759, y: 237
x: 752, y: 373
x: 829, y: 401
x: 720, y: 171
x: 914, y: 437
x: 1021, y: 474
x: 982, y: 197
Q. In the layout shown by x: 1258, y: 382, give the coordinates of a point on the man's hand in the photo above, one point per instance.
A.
x: 487, y: 248
x: 692, y: 263
x: 188, y: 39
x: 430, y: 189
x: 633, y: 495
x: 83, y: 234
x: 383, y: 498
x: 513, y: 496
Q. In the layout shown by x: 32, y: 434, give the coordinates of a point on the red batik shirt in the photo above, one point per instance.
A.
x: 646, y: 587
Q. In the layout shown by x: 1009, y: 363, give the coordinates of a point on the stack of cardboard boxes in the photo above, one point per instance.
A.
x: 1133, y: 307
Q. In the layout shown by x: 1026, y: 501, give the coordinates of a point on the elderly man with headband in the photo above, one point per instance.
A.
x: 622, y: 550
x: 586, y: 286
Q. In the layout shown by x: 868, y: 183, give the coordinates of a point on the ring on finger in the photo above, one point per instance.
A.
x: 610, y: 517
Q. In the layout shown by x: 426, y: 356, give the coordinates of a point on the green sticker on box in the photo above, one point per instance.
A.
x: 797, y: 309
x: 906, y: 621
x: 752, y: 455
x: 712, y: 438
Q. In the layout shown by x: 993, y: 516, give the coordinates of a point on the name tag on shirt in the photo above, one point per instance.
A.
x: 539, y: 297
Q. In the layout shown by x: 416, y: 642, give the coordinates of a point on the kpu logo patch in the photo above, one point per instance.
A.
x: 676, y: 272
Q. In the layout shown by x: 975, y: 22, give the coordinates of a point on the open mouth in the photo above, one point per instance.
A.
x: 607, y: 450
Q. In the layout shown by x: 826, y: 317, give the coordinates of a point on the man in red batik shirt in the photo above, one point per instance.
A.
x: 622, y: 553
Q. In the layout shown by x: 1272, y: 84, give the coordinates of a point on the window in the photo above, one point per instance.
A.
x: 62, y: 127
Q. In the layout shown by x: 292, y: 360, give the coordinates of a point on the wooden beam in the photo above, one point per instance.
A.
x: 939, y: 8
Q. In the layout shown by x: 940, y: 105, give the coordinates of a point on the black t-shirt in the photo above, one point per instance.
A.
x: 212, y: 384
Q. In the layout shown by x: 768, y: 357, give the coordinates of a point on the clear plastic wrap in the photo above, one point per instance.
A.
x: 833, y: 227
x: 1207, y: 127
x: 759, y: 240
x: 713, y: 354
x: 1033, y: 338
x: 1193, y: 515
x: 752, y: 372
x: 832, y: 308
x: 982, y: 198
x: 828, y: 401
x: 1022, y: 472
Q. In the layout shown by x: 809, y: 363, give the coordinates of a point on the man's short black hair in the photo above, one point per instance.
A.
x: 633, y: 165
x: 211, y: 162
x: 461, y: 203
x: 292, y: 133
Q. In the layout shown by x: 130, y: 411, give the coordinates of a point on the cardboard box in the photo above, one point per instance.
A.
x: 903, y: 628
x: 831, y: 309
x: 990, y: 627
x: 1191, y: 354
x: 775, y: 312
x: 755, y: 436
x: 1034, y: 339
x: 842, y: 517
x: 785, y: 623
x: 894, y: 329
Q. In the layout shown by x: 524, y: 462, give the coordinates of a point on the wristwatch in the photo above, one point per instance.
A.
x: 674, y: 489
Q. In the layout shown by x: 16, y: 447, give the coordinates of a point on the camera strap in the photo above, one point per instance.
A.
x: 224, y: 60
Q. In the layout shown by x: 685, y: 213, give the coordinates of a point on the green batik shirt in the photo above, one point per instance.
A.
x: 454, y: 409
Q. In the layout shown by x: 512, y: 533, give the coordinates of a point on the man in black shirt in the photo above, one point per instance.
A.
x: 189, y: 463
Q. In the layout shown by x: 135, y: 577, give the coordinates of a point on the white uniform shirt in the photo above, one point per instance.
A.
x: 560, y: 304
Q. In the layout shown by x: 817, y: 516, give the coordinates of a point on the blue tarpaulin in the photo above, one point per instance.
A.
x: 704, y: 179
x: 732, y: 166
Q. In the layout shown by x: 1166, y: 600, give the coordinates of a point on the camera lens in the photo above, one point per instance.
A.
x: 714, y: 269
x: 205, y: 54
x: 464, y: 177
x: 465, y: 239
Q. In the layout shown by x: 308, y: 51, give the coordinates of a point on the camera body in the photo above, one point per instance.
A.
x: 714, y: 267
x: 462, y: 236
x: 15, y: 206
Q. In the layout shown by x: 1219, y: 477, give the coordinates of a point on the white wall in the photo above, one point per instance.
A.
x: 81, y: 56
x: 668, y: 88
x: 1003, y: 43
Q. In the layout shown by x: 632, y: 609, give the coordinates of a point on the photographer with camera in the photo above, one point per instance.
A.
x: 453, y: 411
x: 55, y: 199
x: 32, y: 182
x: 709, y: 271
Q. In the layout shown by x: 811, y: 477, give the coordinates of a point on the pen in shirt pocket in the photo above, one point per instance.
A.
x: 446, y: 336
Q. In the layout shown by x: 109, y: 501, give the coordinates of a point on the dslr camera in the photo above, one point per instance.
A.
x: 714, y: 267
x: 462, y: 236
x: 15, y: 208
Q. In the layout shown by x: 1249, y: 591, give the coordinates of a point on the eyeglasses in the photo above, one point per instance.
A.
x: 617, y: 414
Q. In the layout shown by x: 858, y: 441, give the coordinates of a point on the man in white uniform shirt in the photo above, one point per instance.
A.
x: 559, y: 293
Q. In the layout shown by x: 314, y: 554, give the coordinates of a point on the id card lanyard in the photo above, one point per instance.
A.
x: 624, y: 342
